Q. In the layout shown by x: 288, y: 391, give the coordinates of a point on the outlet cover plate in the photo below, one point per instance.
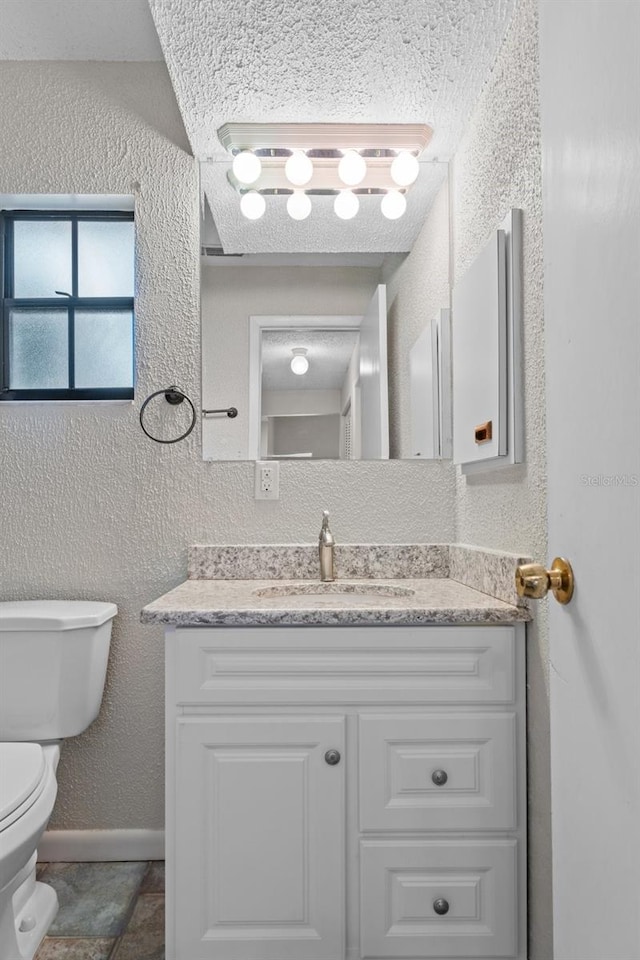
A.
x: 267, y: 480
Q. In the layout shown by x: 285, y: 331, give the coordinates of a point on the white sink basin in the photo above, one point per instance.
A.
x: 314, y: 588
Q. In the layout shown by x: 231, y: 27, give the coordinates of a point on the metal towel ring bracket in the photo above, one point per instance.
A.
x: 174, y: 396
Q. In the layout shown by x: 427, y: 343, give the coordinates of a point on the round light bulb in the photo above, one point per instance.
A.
x: 352, y: 168
x: 246, y: 167
x: 393, y: 205
x: 299, y: 362
x: 299, y: 365
x: 298, y: 206
x: 253, y: 205
x: 298, y: 168
x: 404, y: 169
x: 346, y: 205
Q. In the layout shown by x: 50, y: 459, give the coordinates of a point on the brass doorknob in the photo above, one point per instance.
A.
x: 534, y: 581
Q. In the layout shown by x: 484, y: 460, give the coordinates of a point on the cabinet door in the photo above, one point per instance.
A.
x: 480, y: 356
x: 259, y: 838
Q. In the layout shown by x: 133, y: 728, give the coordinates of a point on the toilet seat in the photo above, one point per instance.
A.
x: 23, y: 775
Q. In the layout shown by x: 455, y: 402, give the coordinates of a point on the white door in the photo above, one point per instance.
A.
x: 374, y: 394
x: 259, y: 839
x: 590, y: 78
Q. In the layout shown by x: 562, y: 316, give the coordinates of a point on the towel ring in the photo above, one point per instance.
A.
x: 174, y: 396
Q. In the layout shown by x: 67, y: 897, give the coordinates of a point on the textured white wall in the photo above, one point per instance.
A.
x: 92, y: 509
x: 498, y: 166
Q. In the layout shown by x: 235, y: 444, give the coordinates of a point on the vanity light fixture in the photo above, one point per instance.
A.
x: 299, y: 362
x: 342, y: 160
x: 247, y: 167
x: 252, y: 205
x: 393, y: 205
x: 298, y: 168
x: 346, y: 205
x: 298, y: 205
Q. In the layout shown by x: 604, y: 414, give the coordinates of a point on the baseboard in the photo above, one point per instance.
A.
x: 98, y: 845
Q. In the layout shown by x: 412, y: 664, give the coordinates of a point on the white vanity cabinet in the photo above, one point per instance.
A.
x: 346, y: 792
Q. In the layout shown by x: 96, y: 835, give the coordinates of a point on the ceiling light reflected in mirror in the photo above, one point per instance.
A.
x: 298, y: 205
x: 252, y: 205
x: 299, y: 362
x: 346, y: 205
x: 393, y: 205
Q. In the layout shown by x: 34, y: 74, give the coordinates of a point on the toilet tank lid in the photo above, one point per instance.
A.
x: 54, y: 614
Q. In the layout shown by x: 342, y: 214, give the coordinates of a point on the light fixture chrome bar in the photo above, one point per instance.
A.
x: 413, y: 137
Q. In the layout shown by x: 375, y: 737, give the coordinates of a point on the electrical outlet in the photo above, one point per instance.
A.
x: 267, y: 480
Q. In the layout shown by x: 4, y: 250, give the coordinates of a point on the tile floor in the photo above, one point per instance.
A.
x: 108, y: 911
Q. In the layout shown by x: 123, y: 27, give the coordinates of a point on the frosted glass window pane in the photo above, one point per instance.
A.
x: 104, y: 348
x: 38, y: 349
x: 105, y: 258
x: 42, y: 258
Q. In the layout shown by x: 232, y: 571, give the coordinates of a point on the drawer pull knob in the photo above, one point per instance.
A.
x: 439, y: 777
x: 332, y: 757
x: 441, y: 906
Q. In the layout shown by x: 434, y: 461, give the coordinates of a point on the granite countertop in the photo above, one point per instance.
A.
x: 217, y: 602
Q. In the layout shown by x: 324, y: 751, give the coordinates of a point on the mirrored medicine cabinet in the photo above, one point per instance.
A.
x: 305, y: 346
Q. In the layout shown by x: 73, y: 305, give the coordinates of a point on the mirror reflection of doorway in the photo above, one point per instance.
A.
x: 302, y: 412
x: 308, y: 377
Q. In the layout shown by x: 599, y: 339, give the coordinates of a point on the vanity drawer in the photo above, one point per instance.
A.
x: 337, y: 665
x: 402, y: 883
x: 438, y: 772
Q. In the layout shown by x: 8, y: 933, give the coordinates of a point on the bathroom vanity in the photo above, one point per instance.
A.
x: 345, y: 770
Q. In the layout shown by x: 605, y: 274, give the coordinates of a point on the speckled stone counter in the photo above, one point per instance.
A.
x: 489, y: 571
x: 256, y: 584
x: 251, y: 603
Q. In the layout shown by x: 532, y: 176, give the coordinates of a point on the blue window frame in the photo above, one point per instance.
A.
x: 67, y: 305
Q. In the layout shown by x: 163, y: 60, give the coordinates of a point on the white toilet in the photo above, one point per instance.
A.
x: 53, y: 661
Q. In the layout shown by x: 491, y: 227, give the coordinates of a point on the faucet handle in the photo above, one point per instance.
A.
x: 326, y: 537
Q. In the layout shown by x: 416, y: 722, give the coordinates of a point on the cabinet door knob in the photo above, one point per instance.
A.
x: 332, y: 757
x: 439, y: 777
x: 441, y: 906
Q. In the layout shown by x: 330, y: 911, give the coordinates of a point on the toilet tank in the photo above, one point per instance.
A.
x: 53, y: 662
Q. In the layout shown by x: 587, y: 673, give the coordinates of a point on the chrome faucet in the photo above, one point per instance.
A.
x: 326, y: 550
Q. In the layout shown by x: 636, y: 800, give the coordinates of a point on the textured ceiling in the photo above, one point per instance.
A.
x: 328, y: 353
x: 77, y: 30
x: 341, y: 61
x: 338, y: 61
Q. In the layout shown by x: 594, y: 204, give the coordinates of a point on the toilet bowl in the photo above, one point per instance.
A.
x: 53, y: 659
x: 27, y: 794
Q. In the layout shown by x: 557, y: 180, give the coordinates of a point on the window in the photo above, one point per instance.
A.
x: 67, y: 305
